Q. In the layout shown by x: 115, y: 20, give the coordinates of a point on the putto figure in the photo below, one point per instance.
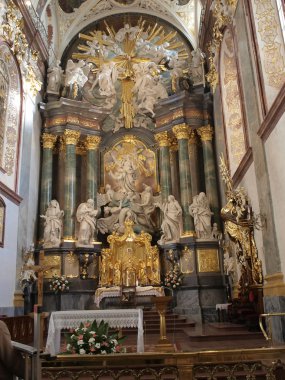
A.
x: 87, y: 224
x: 53, y: 225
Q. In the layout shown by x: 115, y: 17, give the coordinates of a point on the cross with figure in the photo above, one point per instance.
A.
x: 40, y: 269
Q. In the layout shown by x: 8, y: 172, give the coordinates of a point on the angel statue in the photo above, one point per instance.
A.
x: 87, y: 224
x: 76, y: 75
x: 53, y: 225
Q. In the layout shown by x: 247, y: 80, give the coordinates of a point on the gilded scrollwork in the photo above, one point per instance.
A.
x: 268, y: 27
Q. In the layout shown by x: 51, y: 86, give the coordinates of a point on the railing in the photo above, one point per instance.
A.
x: 268, y: 317
x: 249, y: 364
x: 29, y: 355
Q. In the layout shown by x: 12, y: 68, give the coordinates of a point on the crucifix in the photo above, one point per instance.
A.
x: 38, y: 315
x: 126, y: 56
x: 40, y: 269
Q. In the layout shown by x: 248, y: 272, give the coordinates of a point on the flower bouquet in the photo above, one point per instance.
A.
x: 93, y: 339
x: 173, y: 278
x: 59, y: 284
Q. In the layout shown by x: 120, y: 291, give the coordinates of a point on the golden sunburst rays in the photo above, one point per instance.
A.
x: 96, y: 42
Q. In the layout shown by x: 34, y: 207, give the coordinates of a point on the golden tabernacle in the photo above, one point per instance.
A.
x: 131, y: 260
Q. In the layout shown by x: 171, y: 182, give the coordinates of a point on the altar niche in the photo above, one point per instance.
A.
x: 130, y: 261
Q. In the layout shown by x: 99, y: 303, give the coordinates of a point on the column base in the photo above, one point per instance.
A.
x: 164, y: 347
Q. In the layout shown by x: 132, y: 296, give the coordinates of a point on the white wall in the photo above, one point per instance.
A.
x: 8, y: 255
x: 275, y: 156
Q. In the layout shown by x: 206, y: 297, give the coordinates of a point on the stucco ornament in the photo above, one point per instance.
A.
x: 54, y: 74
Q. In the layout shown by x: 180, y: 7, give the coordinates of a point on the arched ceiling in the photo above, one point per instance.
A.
x: 64, y: 19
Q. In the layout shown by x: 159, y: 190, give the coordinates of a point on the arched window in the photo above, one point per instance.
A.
x: 2, y: 221
x: 4, y: 93
x: 231, y: 99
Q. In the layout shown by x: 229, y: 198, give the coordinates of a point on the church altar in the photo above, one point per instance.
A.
x: 115, y: 291
x: 71, y: 319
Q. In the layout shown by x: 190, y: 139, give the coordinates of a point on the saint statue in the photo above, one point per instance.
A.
x: 172, y: 220
x: 53, y: 225
x: 54, y: 75
x: 87, y: 224
x: 200, y: 210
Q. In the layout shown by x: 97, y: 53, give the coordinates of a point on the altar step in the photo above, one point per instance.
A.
x: 174, y: 323
x: 233, y: 335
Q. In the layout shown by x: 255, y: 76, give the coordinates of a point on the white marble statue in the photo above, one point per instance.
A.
x: 54, y: 75
x: 76, y: 72
x: 106, y: 79
x: 127, y: 31
x: 86, y: 215
x: 172, y: 220
x: 52, y: 225
x: 196, y: 70
x: 200, y: 210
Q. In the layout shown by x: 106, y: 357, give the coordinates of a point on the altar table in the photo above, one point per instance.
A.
x: 116, y: 318
x: 115, y: 291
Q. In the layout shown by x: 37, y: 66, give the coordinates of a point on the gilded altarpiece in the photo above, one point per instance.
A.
x: 231, y: 98
x: 11, y: 102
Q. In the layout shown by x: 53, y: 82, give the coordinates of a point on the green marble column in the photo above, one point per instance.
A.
x: 92, y: 143
x: 206, y: 134
x: 194, y: 166
x: 174, y: 168
x: 181, y: 132
x: 164, y: 165
x: 46, y: 175
x: 71, y: 139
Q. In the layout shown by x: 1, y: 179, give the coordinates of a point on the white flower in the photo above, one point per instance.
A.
x: 68, y: 347
x: 72, y: 336
x: 103, y: 352
x: 82, y: 351
x: 91, y: 340
x: 92, y: 332
x: 114, y: 341
x: 97, y: 345
x: 79, y: 342
x: 84, y: 329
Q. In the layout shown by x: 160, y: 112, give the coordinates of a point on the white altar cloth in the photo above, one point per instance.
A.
x: 114, y: 291
x: 116, y: 318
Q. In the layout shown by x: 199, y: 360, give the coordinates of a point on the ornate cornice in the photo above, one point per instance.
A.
x: 62, y: 120
x: 71, y: 137
x: 181, y: 131
x: 162, y: 139
x: 92, y: 142
x: 206, y: 133
x: 48, y: 140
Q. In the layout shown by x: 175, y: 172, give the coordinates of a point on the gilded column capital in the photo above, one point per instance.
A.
x: 162, y: 139
x: 92, y: 142
x: 71, y: 137
x: 181, y: 131
x: 206, y: 133
x: 48, y: 140
x: 192, y: 137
